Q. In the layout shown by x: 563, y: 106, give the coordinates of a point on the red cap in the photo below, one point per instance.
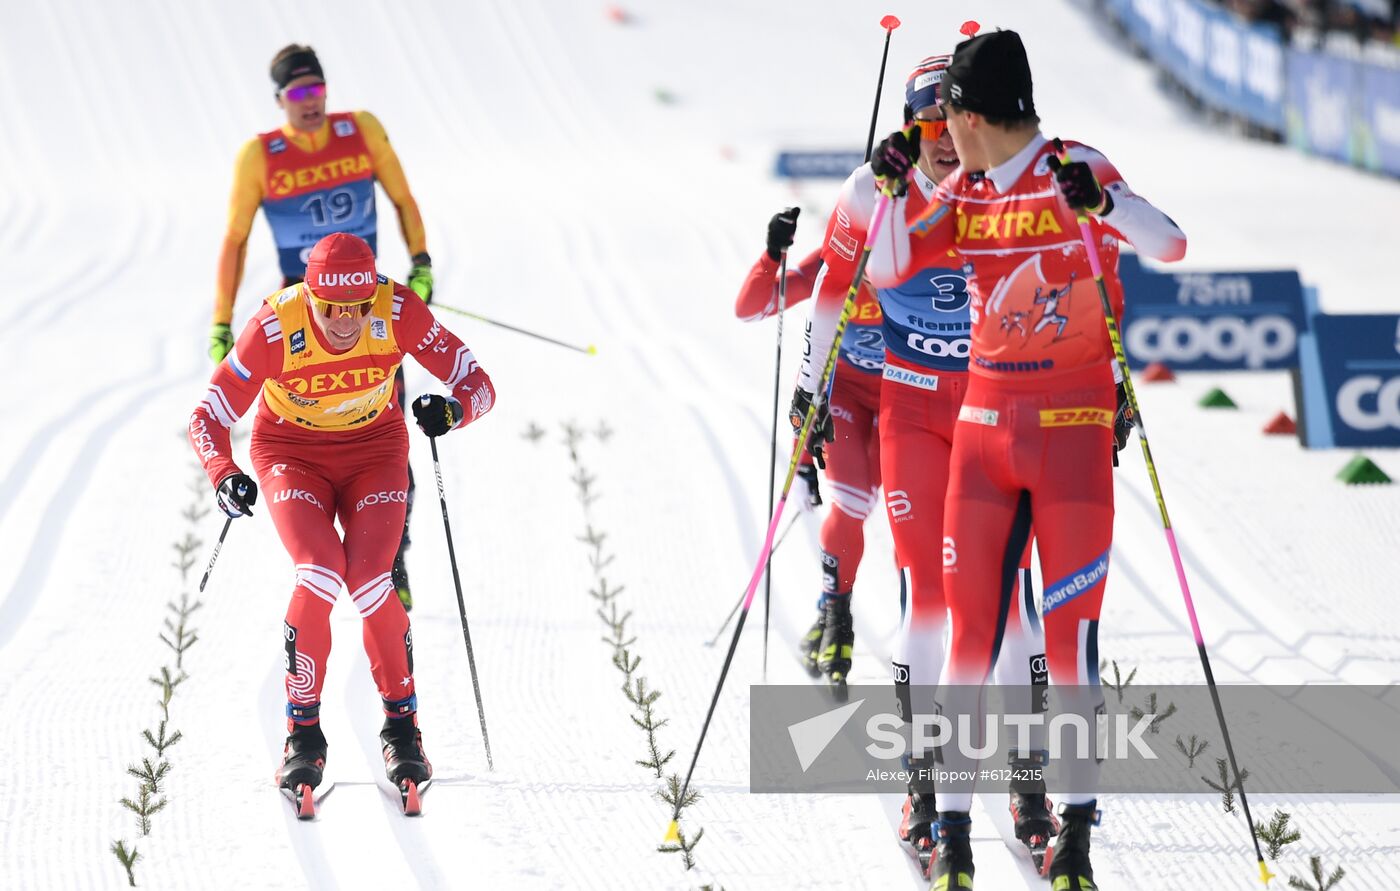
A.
x: 341, y: 269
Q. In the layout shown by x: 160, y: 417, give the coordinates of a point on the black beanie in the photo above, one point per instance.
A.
x: 294, y: 66
x: 990, y: 75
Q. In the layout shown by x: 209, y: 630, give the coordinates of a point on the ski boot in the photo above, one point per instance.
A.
x: 1034, y: 822
x: 838, y: 639
x: 405, y: 763
x: 303, y: 766
x: 303, y: 757
x: 399, y: 576
x: 809, y: 648
x: 952, y: 863
x: 916, y: 827
x: 1070, y: 869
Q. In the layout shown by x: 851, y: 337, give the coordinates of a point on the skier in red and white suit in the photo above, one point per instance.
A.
x: 851, y: 457
x: 926, y: 340
x: 1035, y: 431
x: 329, y: 443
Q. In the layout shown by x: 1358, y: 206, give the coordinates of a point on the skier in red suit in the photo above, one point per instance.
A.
x: 1034, y: 437
x: 849, y: 453
x: 329, y: 442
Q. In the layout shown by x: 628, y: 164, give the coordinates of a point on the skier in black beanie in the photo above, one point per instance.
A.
x: 1019, y: 461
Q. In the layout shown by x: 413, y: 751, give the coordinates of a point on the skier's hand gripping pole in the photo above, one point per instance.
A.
x: 877, y: 219
x: 1061, y: 162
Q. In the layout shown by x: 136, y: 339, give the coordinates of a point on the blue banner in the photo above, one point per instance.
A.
x: 1379, y: 118
x: 1227, y: 63
x: 1319, y: 106
x: 1340, y: 108
x: 817, y: 165
x: 1351, y: 382
x: 1201, y: 321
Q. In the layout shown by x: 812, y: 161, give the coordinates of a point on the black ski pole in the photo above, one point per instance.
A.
x: 1086, y: 235
x: 461, y: 604
x: 590, y: 349
x: 889, y: 23
x: 218, y: 546
x: 877, y: 219
x: 773, y: 449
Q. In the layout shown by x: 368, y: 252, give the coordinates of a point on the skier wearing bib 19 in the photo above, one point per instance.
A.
x: 313, y: 176
x: 926, y: 328
x: 329, y: 442
x: 1035, y: 431
x: 847, y: 446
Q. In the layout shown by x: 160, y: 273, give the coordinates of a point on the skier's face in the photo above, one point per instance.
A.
x: 937, y: 156
x: 340, y: 326
x: 304, y: 101
x: 964, y: 137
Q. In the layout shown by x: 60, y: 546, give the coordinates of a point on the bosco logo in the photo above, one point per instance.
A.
x: 1367, y: 402
x: 1227, y: 339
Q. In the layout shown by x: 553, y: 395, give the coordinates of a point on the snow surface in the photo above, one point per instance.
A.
x: 560, y: 194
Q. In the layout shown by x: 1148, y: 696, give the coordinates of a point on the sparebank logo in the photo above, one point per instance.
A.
x: 1254, y: 342
x: 1369, y: 402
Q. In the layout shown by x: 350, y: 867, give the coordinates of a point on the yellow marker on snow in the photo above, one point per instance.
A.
x: 673, y: 833
x: 1264, y: 874
x: 592, y: 350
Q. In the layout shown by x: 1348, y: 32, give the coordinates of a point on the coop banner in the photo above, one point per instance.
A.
x: 1200, y: 321
x: 1351, y: 382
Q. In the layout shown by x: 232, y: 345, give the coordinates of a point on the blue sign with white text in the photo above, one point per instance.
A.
x: 1200, y: 321
x: 1351, y: 382
x: 817, y: 165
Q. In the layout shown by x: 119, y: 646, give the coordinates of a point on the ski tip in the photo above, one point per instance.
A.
x: 889, y: 22
x: 1047, y: 857
x: 673, y: 834
x: 412, y: 801
x: 306, y: 802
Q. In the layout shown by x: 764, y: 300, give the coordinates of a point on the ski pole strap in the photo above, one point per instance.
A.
x: 304, y: 714
x: 398, y: 708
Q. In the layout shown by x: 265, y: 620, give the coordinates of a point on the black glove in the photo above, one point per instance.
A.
x: 823, y: 429
x: 808, y: 474
x: 1122, y: 423
x: 236, y: 494
x: 781, y: 229
x: 436, y: 415
x: 894, y: 157
x: 1077, y: 183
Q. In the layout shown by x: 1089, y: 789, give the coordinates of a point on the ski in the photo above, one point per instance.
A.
x: 305, y: 799
x: 1039, y: 845
x: 408, y: 795
x: 923, y: 851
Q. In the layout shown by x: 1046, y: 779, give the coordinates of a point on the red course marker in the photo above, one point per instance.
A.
x: 970, y: 28
x: 889, y: 23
